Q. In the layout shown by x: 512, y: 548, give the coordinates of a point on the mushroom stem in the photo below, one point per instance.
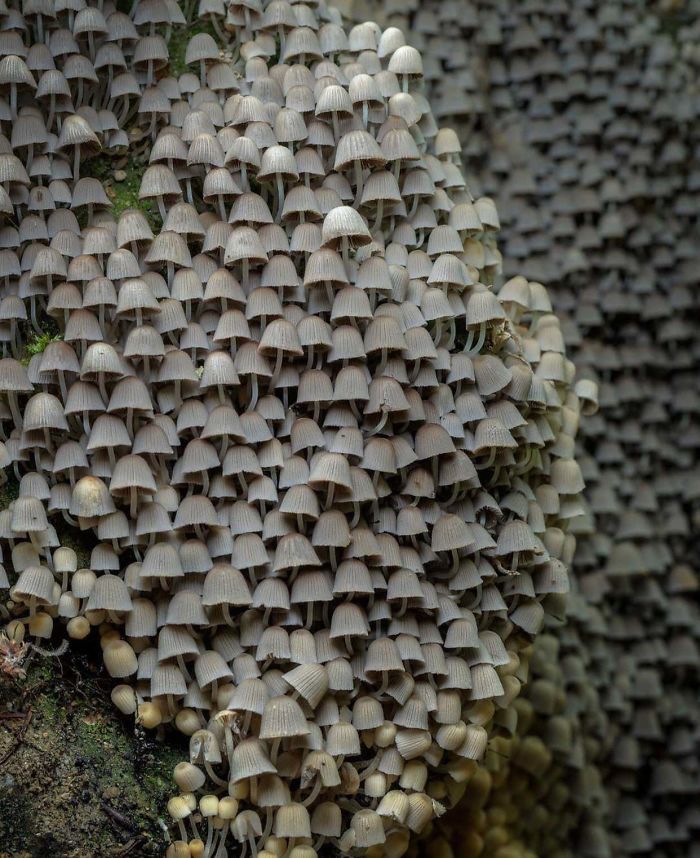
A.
x: 195, y: 830
x: 371, y: 767
x: 14, y: 409
x: 280, y: 196
x: 221, y: 848
x: 213, y: 775
x: 380, y: 215
x: 268, y: 828
x: 210, y: 835
x: 32, y: 311
x: 524, y: 464
x: 246, y: 722
x: 277, y: 369
x: 491, y: 459
x: 217, y: 28
x: 475, y: 349
x: 226, y: 611
x: 228, y: 738
x: 358, y: 183
x: 275, y: 751
x: 183, y: 667
x: 380, y: 425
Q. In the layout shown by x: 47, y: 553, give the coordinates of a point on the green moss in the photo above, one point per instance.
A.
x: 85, y: 781
x: 146, y: 783
x: 37, y: 344
x: 124, y: 194
x: 9, y: 492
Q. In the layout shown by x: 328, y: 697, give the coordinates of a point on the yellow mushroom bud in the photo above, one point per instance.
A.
x: 179, y: 809
x: 209, y: 805
x: 15, y: 630
x: 187, y: 722
x: 119, y: 658
x: 397, y: 843
x: 303, y: 851
x: 276, y: 845
x: 78, y: 628
x: 149, y: 715
x: 228, y: 807
x: 384, y: 736
x: 472, y: 845
x: 124, y: 698
x: 188, y: 777
x: 41, y: 625
x: 197, y: 848
x: 494, y: 837
x: 239, y: 790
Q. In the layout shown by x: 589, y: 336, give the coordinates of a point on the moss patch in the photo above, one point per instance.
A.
x: 37, y: 344
x: 9, y: 491
x: 82, y: 782
x: 121, y: 178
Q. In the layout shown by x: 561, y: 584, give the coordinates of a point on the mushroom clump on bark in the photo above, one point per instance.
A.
x: 325, y: 468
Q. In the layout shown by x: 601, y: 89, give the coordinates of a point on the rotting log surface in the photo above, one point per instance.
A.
x: 75, y: 781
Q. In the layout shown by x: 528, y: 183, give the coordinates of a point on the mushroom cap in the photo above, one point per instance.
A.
x: 282, y: 717
x: 35, y: 583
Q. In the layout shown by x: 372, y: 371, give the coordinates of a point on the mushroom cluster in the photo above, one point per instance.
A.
x: 325, y: 471
x: 528, y: 797
x: 581, y: 120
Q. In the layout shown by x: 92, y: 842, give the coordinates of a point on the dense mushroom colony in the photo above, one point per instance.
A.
x: 581, y: 120
x: 325, y: 471
x: 528, y: 798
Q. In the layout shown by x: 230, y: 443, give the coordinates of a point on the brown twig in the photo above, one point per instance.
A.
x: 119, y: 818
x: 19, y: 738
x: 129, y: 846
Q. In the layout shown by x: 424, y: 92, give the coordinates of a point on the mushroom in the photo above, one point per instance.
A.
x: 14, y: 73
x: 77, y: 135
